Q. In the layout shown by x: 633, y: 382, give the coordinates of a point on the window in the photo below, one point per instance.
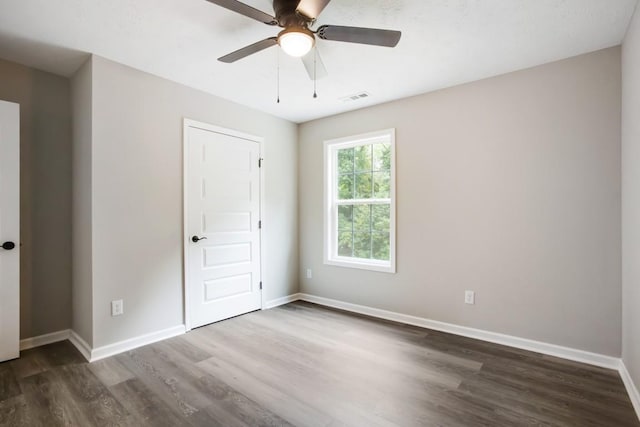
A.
x: 360, y: 201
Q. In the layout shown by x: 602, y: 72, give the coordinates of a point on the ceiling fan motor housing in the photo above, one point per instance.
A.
x: 287, y: 15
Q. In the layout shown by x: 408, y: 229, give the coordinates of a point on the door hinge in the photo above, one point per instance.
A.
x: 260, y: 285
x: 260, y: 162
x: 260, y: 224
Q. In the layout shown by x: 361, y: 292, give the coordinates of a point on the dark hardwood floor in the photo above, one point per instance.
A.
x: 305, y: 365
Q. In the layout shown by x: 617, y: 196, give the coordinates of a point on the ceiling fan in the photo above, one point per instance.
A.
x: 296, y: 39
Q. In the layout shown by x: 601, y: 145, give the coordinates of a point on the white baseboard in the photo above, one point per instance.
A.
x: 126, y: 345
x: 94, y: 354
x: 81, y: 345
x: 508, y: 340
x: 281, y: 301
x: 634, y: 394
x: 45, y: 339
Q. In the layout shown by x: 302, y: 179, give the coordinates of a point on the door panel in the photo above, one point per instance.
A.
x: 223, y: 209
x: 9, y: 230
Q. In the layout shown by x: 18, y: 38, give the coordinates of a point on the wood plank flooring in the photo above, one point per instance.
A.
x: 306, y: 365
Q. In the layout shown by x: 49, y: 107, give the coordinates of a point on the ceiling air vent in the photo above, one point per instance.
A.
x: 355, y: 97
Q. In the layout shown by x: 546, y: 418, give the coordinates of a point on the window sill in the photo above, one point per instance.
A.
x: 384, y: 267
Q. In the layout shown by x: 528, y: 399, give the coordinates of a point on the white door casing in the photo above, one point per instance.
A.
x: 222, y: 180
x: 9, y: 230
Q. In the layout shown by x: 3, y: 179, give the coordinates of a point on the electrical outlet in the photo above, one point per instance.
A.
x: 117, y: 308
x: 309, y: 275
x: 469, y: 297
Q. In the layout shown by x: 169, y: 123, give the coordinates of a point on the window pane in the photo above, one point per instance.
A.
x: 345, y: 160
x: 345, y: 218
x: 381, y: 157
x: 362, y: 218
x: 345, y: 243
x: 380, y: 217
x: 345, y: 187
x: 380, y: 246
x: 363, y: 185
x: 381, y: 185
x: 362, y: 245
x: 363, y: 158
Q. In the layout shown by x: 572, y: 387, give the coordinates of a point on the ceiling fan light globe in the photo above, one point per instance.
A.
x: 296, y: 43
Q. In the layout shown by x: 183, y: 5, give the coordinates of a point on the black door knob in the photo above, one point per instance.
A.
x: 196, y: 239
x: 8, y: 245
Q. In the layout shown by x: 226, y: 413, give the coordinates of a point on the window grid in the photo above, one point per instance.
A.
x: 353, y: 202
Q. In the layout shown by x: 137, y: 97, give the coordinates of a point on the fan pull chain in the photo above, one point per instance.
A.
x: 315, y: 80
x: 278, y: 77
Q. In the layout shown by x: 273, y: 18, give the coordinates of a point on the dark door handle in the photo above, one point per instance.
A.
x: 8, y: 246
x: 196, y: 239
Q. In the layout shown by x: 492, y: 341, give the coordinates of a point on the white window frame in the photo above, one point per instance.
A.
x: 331, y: 148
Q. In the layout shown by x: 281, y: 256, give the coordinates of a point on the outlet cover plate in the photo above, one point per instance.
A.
x: 117, y: 308
x: 469, y: 297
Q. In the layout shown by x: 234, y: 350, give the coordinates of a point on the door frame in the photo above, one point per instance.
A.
x: 10, y: 171
x: 189, y: 123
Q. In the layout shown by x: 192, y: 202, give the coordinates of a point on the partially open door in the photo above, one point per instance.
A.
x: 9, y: 230
x: 222, y: 222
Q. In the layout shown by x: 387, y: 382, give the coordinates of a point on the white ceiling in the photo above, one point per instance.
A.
x: 444, y: 43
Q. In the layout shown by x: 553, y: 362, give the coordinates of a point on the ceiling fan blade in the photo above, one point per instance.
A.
x: 311, y: 8
x: 371, y: 36
x: 318, y: 71
x: 249, y: 50
x: 246, y: 10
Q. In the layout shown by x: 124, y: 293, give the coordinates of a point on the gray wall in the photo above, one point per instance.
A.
x: 631, y: 199
x: 508, y: 186
x: 137, y: 197
x: 45, y: 196
x: 81, y: 101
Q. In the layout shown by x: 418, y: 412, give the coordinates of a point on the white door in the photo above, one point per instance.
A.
x: 222, y: 224
x: 9, y: 230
